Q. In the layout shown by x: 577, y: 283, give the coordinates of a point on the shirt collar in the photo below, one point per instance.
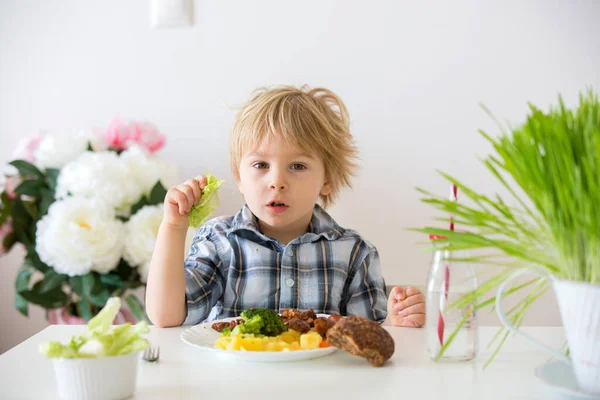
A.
x: 321, y: 225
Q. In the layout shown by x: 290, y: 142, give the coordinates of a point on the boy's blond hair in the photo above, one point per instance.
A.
x: 314, y: 120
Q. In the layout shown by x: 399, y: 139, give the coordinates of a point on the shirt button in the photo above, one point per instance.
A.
x: 289, y: 282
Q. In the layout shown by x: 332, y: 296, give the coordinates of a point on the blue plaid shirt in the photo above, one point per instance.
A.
x: 232, y: 266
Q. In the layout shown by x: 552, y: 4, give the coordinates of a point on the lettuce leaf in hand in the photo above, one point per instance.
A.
x: 100, y: 338
x: 209, y: 202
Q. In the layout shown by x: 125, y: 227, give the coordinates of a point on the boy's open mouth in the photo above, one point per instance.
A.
x: 277, y: 207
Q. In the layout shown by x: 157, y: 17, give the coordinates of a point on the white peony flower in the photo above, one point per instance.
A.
x: 101, y: 174
x: 79, y: 235
x: 56, y: 150
x: 140, y: 235
x: 145, y: 170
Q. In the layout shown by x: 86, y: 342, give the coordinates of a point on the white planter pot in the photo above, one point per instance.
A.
x: 579, y: 305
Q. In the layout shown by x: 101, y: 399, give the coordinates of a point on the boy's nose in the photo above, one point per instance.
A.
x: 279, y: 186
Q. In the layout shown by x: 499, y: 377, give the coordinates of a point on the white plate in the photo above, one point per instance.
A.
x: 560, y: 375
x: 204, y: 337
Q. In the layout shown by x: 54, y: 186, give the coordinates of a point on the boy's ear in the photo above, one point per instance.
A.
x: 326, y: 189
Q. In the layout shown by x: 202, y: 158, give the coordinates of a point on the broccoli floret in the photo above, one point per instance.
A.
x: 252, y: 325
x: 262, y: 321
x: 226, y: 332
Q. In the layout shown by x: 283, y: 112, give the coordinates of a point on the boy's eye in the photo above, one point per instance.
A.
x: 297, y: 167
x: 260, y: 165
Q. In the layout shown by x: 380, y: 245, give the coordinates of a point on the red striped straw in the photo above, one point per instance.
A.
x: 453, y: 197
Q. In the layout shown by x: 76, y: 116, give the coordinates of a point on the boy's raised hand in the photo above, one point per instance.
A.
x: 179, y: 201
x: 406, y: 307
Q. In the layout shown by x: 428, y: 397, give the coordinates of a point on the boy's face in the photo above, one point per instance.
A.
x: 281, y: 185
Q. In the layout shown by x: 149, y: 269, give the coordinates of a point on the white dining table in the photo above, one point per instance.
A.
x: 187, y: 372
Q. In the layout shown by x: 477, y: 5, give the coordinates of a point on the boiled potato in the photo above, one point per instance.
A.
x: 290, y: 336
x: 310, y: 340
x: 287, y: 341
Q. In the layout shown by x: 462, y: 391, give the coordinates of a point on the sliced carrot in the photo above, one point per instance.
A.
x: 324, y: 344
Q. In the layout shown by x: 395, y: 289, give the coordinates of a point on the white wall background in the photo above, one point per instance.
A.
x: 411, y: 73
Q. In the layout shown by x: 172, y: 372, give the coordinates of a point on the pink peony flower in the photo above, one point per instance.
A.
x: 121, y: 134
x: 117, y: 133
x: 5, y: 230
x: 147, y: 135
x: 26, y: 149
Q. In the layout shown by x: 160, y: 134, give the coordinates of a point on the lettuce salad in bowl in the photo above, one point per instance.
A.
x: 101, y: 363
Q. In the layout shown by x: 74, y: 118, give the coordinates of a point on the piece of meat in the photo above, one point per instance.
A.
x: 334, y: 318
x: 322, y: 325
x: 298, y: 325
x: 234, y: 323
x: 219, y: 326
x: 289, y: 313
x: 309, y: 316
x: 362, y: 337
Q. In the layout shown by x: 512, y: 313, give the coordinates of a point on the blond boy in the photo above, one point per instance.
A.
x: 290, y: 147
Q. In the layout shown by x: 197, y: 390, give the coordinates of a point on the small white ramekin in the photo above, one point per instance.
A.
x: 103, y: 378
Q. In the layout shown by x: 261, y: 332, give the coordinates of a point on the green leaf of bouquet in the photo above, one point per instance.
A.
x: 33, y: 260
x: 98, y: 285
x: 9, y: 241
x: 157, y: 194
x: 99, y: 299
x: 51, y: 178
x: 26, y: 169
x: 6, y: 204
x: 76, y: 285
x: 53, y: 299
x: 87, y: 282
x: 83, y: 309
x: 138, y: 206
x: 112, y: 280
x: 23, y: 278
x: 30, y: 187
x: 32, y: 210
x: 46, y: 200
x: 22, y: 222
x: 21, y: 304
x: 135, y: 306
x: 52, y: 280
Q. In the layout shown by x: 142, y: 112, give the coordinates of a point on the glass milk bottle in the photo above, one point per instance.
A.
x: 447, y: 282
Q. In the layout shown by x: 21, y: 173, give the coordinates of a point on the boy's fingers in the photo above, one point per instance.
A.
x: 393, y: 298
x: 410, y: 301
x: 202, y: 181
x: 192, y: 183
x: 181, y: 201
x: 189, y: 193
x: 411, y: 291
x: 400, y: 293
x: 414, y: 309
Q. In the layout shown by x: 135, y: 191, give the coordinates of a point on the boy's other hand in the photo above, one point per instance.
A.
x: 179, y: 201
x: 406, y: 307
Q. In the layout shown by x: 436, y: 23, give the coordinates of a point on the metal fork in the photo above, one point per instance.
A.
x: 151, y: 354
